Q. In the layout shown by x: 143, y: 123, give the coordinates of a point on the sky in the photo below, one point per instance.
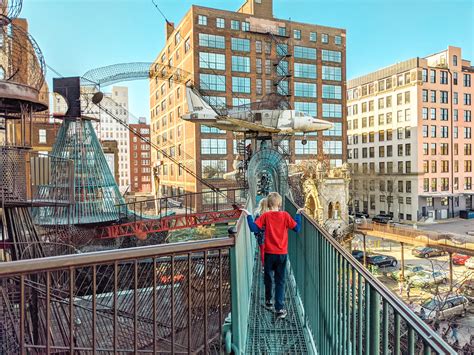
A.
x: 78, y: 35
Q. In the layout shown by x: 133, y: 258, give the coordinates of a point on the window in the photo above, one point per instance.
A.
x: 324, y: 38
x: 332, y: 147
x: 444, y: 114
x: 214, y: 130
x: 241, y: 85
x: 332, y: 73
x: 216, y: 101
x: 424, y: 113
x: 467, y: 99
x: 42, y: 136
x: 235, y: 25
x: 282, y: 31
x: 213, y: 146
x: 425, y: 131
x: 305, y: 52
x: 467, y: 116
x: 258, y: 47
x: 241, y: 64
x: 202, y: 20
x: 211, y: 41
x: 425, y: 95
x: 213, y: 169
x: 455, y: 60
x: 245, y: 26
x: 444, y: 77
x: 424, y: 75
x: 455, y: 78
x: 310, y: 148
x: 212, y: 82
x: 433, y: 131
x: 332, y: 92
x: 332, y: 110
x: 297, y: 34
x: 432, y: 76
x: 335, y: 131
x: 338, y: 40
x: 240, y: 44
x: 433, y: 113
x: 455, y: 98
x: 467, y: 132
x: 444, y: 97
x: 212, y: 61
x: 330, y: 56
x: 305, y: 89
x: 259, y: 87
x: 310, y: 108
x: 241, y: 103
x: 433, y: 95
x: 307, y: 71
x: 444, y: 132
x: 467, y: 80
x: 220, y: 23
x: 313, y: 36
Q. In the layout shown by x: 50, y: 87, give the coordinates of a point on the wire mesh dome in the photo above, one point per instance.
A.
x: 21, y: 60
x: 9, y: 9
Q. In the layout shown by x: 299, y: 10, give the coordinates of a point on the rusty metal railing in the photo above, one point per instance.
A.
x: 170, y: 298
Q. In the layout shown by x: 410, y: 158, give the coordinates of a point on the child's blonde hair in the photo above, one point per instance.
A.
x: 274, y: 200
x: 262, y: 207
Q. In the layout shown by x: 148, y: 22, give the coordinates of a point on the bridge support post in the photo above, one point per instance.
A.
x: 365, y: 249
x: 402, y: 261
x: 450, y: 271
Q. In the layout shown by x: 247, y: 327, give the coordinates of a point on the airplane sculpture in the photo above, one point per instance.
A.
x: 248, y: 120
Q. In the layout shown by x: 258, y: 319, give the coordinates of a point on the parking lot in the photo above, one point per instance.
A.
x: 419, y: 295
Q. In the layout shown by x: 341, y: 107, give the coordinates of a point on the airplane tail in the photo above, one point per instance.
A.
x: 198, y: 108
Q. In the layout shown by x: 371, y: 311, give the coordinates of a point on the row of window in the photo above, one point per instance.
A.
x: 383, y: 151
x: 443, y: 77
x: 383, y: 119
x: 236, y: 25
x: 443, y: 185
x: 444, y: 132
x: 432, y: 166
x: 383, y: 102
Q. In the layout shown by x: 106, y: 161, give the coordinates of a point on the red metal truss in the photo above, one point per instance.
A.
x: 147, y: 226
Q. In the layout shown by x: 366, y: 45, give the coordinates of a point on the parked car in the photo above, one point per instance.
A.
x: 425, y: 279
x: 361, y: 215
x: 410, y: 270
x: 355, y: 219
x: 442, y: 308
x: 426, y: 252
x: 358, y: 255
x: 469, y: 263
x: 382, y: 260
x: 467, y: 289
x: 382, y: 219
x: 460, y: 259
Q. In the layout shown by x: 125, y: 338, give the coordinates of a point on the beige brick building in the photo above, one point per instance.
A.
x: 237, y: 58
x: 410, y: 138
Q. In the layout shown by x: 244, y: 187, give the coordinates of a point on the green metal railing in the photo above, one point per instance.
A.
x: 347, y: 310
x: 242, y: 261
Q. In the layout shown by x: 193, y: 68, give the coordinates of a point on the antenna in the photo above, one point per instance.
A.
x: 161, y: 12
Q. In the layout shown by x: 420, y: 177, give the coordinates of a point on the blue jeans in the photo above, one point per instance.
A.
x: 275, y: 263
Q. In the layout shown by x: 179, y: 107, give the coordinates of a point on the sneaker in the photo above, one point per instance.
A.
x: 269, y: 305
x: 281, y: 314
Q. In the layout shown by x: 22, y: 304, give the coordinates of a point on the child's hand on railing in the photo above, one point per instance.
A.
x: 246, y: 212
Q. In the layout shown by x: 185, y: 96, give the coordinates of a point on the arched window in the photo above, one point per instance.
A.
x: 330, y: 210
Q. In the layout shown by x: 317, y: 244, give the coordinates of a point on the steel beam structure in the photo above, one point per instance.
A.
x: 168, y: 223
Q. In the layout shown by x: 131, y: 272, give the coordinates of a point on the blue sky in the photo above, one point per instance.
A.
x: 78, y: 35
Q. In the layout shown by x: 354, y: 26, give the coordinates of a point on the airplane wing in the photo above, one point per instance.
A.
x: 252, y: 126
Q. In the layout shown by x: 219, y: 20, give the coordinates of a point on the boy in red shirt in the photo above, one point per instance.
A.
x: 275, y: 224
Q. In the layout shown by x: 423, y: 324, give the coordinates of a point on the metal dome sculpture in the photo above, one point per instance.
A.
x: 9, y: 9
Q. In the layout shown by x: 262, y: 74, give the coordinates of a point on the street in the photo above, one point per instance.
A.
x: 418, y: 295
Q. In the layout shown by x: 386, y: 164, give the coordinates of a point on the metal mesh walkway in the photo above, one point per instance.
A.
x: 266, y: 334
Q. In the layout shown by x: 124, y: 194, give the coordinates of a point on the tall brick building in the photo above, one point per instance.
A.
x: 237, y: 58
x: 140, y: 163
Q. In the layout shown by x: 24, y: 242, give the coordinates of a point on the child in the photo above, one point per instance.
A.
x: 275, y: 224
x: 262, y: 208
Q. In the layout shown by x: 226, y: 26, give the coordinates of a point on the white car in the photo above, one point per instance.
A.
x: 424, y: 279
x: 442, y: 308
x: 469, y: 263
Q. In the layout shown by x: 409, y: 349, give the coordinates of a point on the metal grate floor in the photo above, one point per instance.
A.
x: 266, y: 334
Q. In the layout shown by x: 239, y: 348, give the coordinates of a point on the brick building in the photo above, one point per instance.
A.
x: 410, y: 137
x: 237, y: 58
x: 140, y: 159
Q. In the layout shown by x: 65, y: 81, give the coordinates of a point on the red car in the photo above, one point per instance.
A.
x: 460, y: 259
